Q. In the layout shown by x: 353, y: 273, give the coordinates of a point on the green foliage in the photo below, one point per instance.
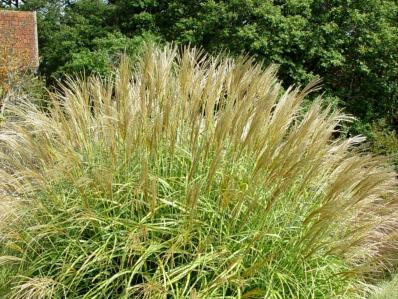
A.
x: 79, y: 37
x: 384, y: 142
x: 352, y: 45
x: 188, y: 176
x: 105, y: 54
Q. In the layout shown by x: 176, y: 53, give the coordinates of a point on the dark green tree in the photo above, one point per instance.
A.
x: 351, y: 44
x: 80, y: 36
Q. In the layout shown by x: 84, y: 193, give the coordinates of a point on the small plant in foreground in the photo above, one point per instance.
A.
x: 188, y: 176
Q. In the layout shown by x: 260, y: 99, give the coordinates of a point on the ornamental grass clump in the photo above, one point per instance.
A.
x: 188, y: 176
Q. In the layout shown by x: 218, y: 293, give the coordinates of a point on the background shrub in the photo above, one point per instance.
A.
x: 385, y: 142
x: 351, y: 44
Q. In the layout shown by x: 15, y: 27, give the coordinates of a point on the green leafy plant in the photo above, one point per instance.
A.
x: 350, y: 44
x: 106, y: 54
x: 188, y: 176
x: 384, y: 141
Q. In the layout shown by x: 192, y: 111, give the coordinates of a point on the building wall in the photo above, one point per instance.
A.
x: 18, y: 36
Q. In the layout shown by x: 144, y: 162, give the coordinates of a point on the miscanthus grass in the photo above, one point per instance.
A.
x: 188, y: 176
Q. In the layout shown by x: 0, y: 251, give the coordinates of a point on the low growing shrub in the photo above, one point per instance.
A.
x: 385, y: 142
x: 188, y: 176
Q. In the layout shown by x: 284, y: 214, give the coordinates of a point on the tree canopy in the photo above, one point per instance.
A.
x: 351, y: 44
